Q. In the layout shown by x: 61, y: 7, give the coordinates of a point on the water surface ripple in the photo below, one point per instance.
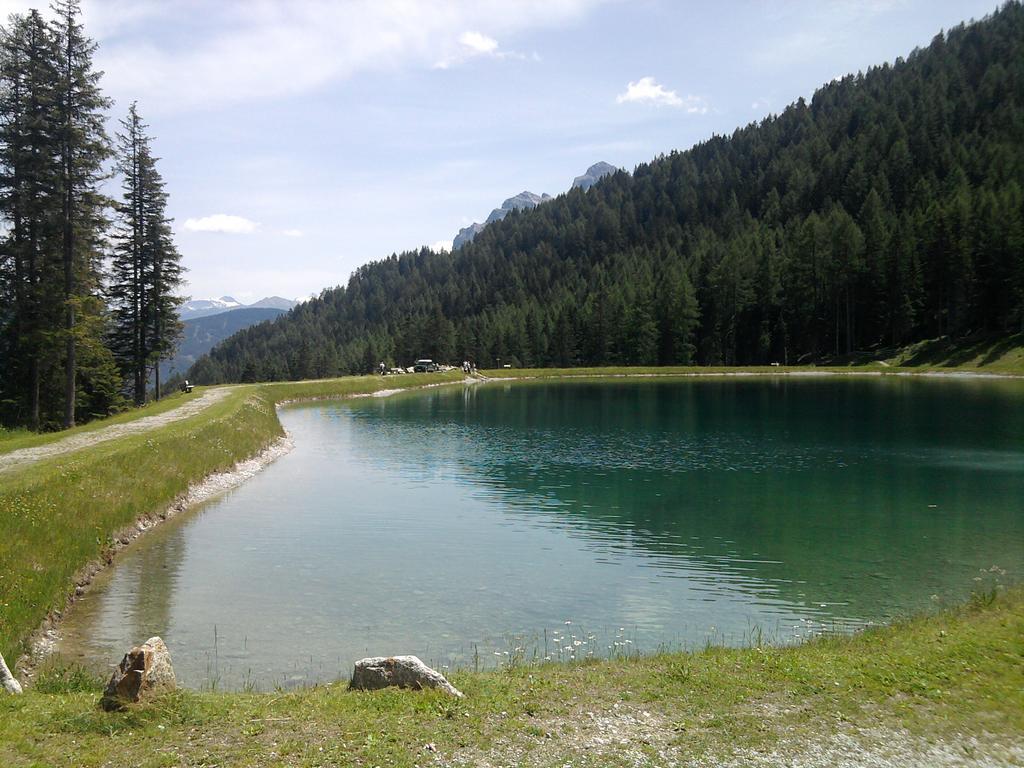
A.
x: 461, y: 523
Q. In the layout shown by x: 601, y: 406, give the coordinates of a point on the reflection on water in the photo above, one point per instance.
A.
x: 456, y: 522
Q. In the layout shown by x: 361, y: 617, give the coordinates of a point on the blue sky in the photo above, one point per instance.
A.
x: 302, y: 138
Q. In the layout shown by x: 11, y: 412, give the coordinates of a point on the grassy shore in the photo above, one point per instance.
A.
x: 950, y: 686
x: 1002, y: 356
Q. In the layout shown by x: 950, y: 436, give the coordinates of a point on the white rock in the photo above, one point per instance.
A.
x: 401, y: 671
x: 9, y: 681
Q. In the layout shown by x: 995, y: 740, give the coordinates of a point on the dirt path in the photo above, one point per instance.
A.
x: 25, y: 456
x: 639, y: 738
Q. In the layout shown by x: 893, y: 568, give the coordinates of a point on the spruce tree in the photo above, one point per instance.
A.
x: 30, y: 203
x: 145, y: 269
x: 83, y: 149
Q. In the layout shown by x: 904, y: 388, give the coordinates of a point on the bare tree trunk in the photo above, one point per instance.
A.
x: 34, y: 378
x: 69, y: 253
x: 69, y: 324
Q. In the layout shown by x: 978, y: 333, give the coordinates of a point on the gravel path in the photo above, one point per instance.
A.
x: 25, y: 456
x: 638, y: 738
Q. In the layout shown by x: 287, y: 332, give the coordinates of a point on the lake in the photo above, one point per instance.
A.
x: 477, y: 525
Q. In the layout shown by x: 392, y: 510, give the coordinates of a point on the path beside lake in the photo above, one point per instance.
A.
x: 24, y: 456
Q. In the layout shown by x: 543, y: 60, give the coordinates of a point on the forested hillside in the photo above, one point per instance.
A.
x: 886, y: 210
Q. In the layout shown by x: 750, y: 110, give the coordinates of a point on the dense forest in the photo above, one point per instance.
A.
x: 87, y: 283
x: 886, y: 210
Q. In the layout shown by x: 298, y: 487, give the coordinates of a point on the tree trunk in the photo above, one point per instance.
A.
x: 849, y: 323
x: 69, y: 319
x: 69, y: 244
x: 34, y: 391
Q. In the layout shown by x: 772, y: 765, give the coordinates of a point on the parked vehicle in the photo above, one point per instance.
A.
x: 425, y: 366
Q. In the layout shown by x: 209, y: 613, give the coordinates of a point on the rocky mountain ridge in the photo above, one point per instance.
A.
x: 594, y: 174
x: 526, y: 200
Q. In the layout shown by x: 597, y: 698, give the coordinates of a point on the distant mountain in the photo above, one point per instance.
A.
x: 594, y: 174
x: 273, y: 302
x: 197, y: 308
x: 202, y: 307
x: 526, y: 200
x: 466, y: 235
x: 522, y: 201
x: 201, y: 334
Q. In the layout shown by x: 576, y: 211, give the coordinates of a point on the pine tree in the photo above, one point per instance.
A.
x: 146, y: 266
x: 128, y: 286
x: 83, y: 148
x: 29, y: 201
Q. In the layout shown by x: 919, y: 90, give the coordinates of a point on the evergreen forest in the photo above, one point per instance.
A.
x: 887, y: 209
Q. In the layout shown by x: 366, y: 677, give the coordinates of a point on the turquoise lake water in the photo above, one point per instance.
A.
x: 570, y: 518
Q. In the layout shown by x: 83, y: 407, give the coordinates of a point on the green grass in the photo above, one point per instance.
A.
x: 983, y: 354
x: 949, y: 677
x: 993, y: 355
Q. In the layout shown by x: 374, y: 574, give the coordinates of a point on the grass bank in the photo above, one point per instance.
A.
x: 1001, y: 356
x: 947, y: 689
x: 58, y: 515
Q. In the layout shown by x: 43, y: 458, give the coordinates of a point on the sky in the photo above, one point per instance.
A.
x: 300, y: 139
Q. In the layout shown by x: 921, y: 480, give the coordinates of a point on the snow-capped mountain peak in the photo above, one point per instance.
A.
x: 205, y: 307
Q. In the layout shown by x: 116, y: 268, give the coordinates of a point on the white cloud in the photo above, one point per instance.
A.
x: 473, y: 44
x: 695, y: 105
x: 442, y: 245
x: 761, y: 103
x: 260, y: 50
x: 292, y: 232
x: 478, y: 42
x: 222, y: 222
x: 647, y: 91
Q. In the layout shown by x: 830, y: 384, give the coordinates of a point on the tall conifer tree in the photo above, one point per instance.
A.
x: 145, y: 269
x: 30, y: 203
x: 84, y: 146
